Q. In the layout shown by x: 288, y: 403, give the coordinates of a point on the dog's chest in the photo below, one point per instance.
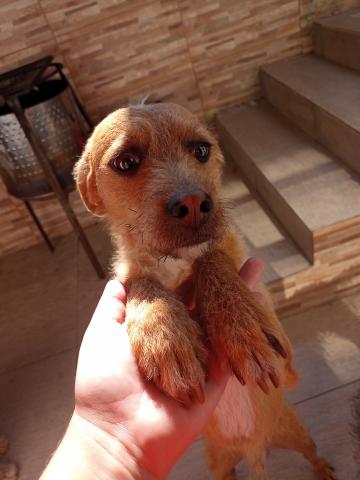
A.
x: 235, y: 412
x: 172, y: 272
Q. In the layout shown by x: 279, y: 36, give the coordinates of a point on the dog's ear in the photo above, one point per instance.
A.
x: 85, y: 177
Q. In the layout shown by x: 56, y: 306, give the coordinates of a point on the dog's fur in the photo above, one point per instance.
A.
x: 156, y: 252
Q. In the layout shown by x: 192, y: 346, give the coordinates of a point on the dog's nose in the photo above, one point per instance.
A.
x: 191, y: 207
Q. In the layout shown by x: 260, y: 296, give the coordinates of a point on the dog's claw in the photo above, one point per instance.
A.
x: 264, y: 386
x: 276, y: 345
x: 237, y: 373
x: 274, y: 379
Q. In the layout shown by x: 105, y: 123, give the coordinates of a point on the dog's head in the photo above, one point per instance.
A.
x: 155, y: 172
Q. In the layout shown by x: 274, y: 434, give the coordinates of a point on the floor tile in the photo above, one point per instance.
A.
x: 89, y: 286
x: 35, y: 406
x: 326, y: 343
x: 329, y: 420
x: 46, y: 304
x: 38, y: 303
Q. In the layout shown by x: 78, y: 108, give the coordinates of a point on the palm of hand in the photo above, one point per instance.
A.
x: 111, y: 394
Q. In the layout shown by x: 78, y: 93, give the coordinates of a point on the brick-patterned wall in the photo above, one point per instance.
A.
x: 312, y: 9
x: 203, y: 54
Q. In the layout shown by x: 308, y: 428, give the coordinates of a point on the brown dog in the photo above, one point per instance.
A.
x: 154, y: 172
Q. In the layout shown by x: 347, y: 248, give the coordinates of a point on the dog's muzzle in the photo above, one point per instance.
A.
x: 192, y: 207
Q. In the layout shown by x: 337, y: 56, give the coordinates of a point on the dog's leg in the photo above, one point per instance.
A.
x: 257, y: 464
x: 291, y: 434
x: 166, y: 342
x: 221, y: 460
x: 234, y: 321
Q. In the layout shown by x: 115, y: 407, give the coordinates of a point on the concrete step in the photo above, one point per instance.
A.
x: 263, y: 235
x: 314, y: 196
x: 337, y: 38
x: 322, y: 98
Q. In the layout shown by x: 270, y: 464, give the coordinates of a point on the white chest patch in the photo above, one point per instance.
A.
x: 174, y: 270
x: 235, y: 412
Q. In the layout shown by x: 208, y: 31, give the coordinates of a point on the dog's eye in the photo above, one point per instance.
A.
x: 125, y: 162
x: 201, y: 150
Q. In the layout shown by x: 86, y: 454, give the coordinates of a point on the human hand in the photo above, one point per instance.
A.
x: 127, y: 428
x: 111, y: 393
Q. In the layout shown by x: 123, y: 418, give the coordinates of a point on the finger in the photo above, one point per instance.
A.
x: 111, y: 305
x: 251, y: 272
x: 260, y: 298
x: 115, y: 289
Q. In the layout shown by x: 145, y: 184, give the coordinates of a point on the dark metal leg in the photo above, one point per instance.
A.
x: 54, y: 182
x: 38, y: 224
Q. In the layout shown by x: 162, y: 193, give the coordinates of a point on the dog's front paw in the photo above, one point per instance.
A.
x: 251, y: 356
x: 166, y: 342
x: 244, y: 331
x: 176, y: 366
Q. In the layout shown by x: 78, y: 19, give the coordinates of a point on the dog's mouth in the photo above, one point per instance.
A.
x: 171, y: 238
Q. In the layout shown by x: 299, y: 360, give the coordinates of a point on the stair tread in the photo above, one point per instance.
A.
x: 263, y: 236
x: 318, y: 188
x: 331, y: 87
x: 348, y: 21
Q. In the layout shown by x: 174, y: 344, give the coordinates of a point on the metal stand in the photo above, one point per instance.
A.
x: 39, y: 226
x: 50, y: 174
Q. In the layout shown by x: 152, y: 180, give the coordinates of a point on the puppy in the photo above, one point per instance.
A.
x: 154, y: 172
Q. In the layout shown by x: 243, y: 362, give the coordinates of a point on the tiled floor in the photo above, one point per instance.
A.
x: 46, y: 302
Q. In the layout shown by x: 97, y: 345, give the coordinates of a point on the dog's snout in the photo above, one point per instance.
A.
x: 191, y: 207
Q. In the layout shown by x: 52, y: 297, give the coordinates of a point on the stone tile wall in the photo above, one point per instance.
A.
x: 203, y: 54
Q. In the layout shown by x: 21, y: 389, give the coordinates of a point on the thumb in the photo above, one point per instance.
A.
x: 111, y: 305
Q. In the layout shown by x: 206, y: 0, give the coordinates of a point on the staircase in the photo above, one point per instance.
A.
x: 298, y: 152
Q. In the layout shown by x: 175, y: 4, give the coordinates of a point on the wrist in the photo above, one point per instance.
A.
x: 88, y: 452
